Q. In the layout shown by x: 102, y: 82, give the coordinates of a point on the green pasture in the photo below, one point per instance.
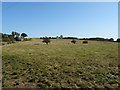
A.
x: 61, y: 64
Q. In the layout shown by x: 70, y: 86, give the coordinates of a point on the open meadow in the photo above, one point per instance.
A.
x: 61, y: 64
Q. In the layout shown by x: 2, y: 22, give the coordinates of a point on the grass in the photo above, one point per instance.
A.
x: 60, y: 64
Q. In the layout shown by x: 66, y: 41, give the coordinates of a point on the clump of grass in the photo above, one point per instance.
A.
x: 41, y: 85
x: 15, y: 76
x: 31, y: 79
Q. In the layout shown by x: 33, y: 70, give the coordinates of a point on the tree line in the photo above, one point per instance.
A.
x: 59, y: 37
x: 47, y: 41
x: 101, y: 39
x: 14, y: 36
x: 94, y: 39
x: 98, y: 39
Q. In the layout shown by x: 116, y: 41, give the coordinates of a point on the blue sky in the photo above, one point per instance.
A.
x: 80, y: 19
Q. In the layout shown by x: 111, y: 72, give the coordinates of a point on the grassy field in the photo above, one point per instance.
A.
x: 60, y: 64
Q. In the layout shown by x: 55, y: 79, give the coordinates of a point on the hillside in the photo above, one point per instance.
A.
x: 60, y: 64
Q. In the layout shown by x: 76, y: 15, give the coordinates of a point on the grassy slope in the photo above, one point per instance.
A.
x: 60, y: 64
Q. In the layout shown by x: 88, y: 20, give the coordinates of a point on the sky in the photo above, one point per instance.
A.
x: 79, y: 19
x: 60, y: 0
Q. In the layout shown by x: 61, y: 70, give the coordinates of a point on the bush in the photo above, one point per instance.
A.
x: 73, y: 41
x: 5, y: 39
x: 9, y: 42
x: 46, y: 40
x: 118, y: 40
x: 85, y: 42
x: 12, y: 40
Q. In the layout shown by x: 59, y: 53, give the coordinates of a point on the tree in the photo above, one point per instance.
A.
x: 17, y: 35
x: 23, y: 35
x: 46, y: 40
x: 111, y: 39
x: 13, y: 34
x: 73, y: 41
x: 57, y: 37
x: 118, y: 40
x: 61, y: 36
